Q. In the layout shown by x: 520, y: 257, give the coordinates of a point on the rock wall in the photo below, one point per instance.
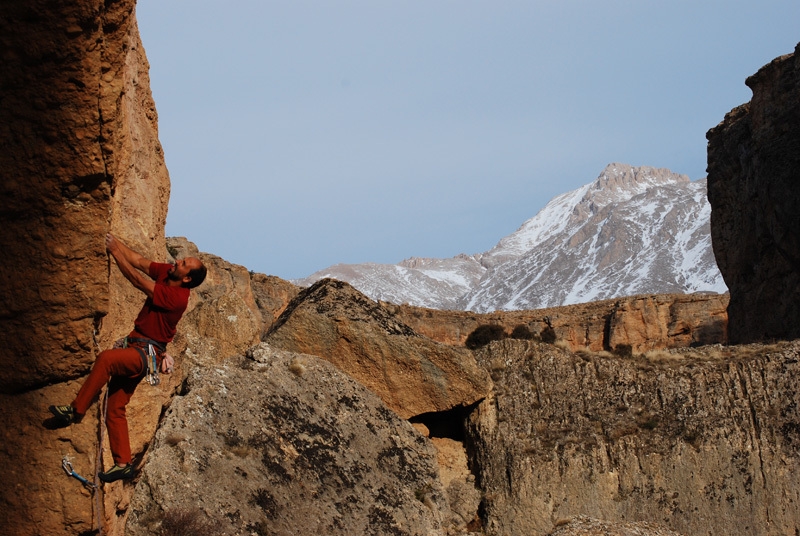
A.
x: 642, y: 322
x: 703, y: 441
x: 80, y: 158
x: 754, y: 191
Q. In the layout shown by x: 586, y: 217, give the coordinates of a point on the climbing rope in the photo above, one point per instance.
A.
x: 98, y: 463
x: 99, y: 459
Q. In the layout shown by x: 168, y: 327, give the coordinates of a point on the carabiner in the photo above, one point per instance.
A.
x: 67, y: 466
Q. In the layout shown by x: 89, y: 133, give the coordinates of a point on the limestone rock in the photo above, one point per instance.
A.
x: 643, y: 322
x: 699, y: 440
x: 586, y: 526
x: 412, y: 374
x: 287, y: 444
x: 80, y: 157
x: 272, y: 295
x: 39, y: 497
x: 754, y: 191
x: 457, y: 480
x: 671, y: 321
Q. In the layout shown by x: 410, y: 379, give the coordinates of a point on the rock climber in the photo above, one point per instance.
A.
x: 140, y: 354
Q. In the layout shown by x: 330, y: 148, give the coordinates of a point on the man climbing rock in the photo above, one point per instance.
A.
x: 139, y: 355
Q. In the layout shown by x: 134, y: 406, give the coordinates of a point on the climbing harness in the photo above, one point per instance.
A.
x: 149, y: 350
x: 67, y: 466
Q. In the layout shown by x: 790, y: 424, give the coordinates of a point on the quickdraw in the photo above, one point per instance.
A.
x: 67, y: 466
x: 152, y: 366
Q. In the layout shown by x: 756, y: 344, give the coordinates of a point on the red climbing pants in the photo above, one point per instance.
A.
x: 125, y: 369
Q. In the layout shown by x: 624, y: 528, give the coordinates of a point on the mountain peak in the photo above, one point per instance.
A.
x: 633, y: 230
x: 617, y: 174
x: 618, y: 182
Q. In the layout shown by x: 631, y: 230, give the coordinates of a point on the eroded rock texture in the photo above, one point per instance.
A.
x: 287, y: 444
x: 703, y: 441
x: 641, y: 322
x: 754, y: 191
x: 80, y: 157
x: 586, y: 526
x: 284, y: 444
x: 412, y: 374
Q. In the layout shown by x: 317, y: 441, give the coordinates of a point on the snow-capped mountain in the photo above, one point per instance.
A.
x: 634, y: 230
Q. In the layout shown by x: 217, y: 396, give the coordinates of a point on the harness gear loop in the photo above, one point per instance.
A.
x: 67, y: 466
x: 149, y: 350
x: 152, y: 366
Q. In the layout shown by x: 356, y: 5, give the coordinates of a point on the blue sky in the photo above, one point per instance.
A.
x: 303, y: 134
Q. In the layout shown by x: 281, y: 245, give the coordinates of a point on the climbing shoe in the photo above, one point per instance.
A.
x: 117, y: 473
x: 64, y: 415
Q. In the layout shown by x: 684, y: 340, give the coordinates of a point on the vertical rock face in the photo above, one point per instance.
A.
x: 55, y: 193
x: 754, y: 191
x: 702, y: 441
x: 80, y: 157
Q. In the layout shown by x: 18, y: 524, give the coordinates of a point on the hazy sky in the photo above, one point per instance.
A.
x: 303, y: 134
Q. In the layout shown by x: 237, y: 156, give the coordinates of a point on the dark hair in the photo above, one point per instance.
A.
x: 198, y: 275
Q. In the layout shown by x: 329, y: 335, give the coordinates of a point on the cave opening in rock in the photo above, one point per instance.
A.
x: 448, y: 424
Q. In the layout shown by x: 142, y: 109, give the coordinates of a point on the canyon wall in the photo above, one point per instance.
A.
x: 80, y: 157
x: 754, y: 191
x: 641, y: 322
x: 703, y: 441
x: 700, y: 442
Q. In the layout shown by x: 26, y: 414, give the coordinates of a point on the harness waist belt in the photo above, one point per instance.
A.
x: 162, y: 347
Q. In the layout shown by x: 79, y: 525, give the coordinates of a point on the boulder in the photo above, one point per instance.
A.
x: 272, y: 295
x: 222, y: 319
x: 282, y: 443
x: 754, y: 192
x: 412, y: 374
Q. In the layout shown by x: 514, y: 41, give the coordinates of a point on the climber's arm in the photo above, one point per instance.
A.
x: 132, y: 265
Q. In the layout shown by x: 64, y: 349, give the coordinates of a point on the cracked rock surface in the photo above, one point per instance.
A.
x: 282, y: 443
